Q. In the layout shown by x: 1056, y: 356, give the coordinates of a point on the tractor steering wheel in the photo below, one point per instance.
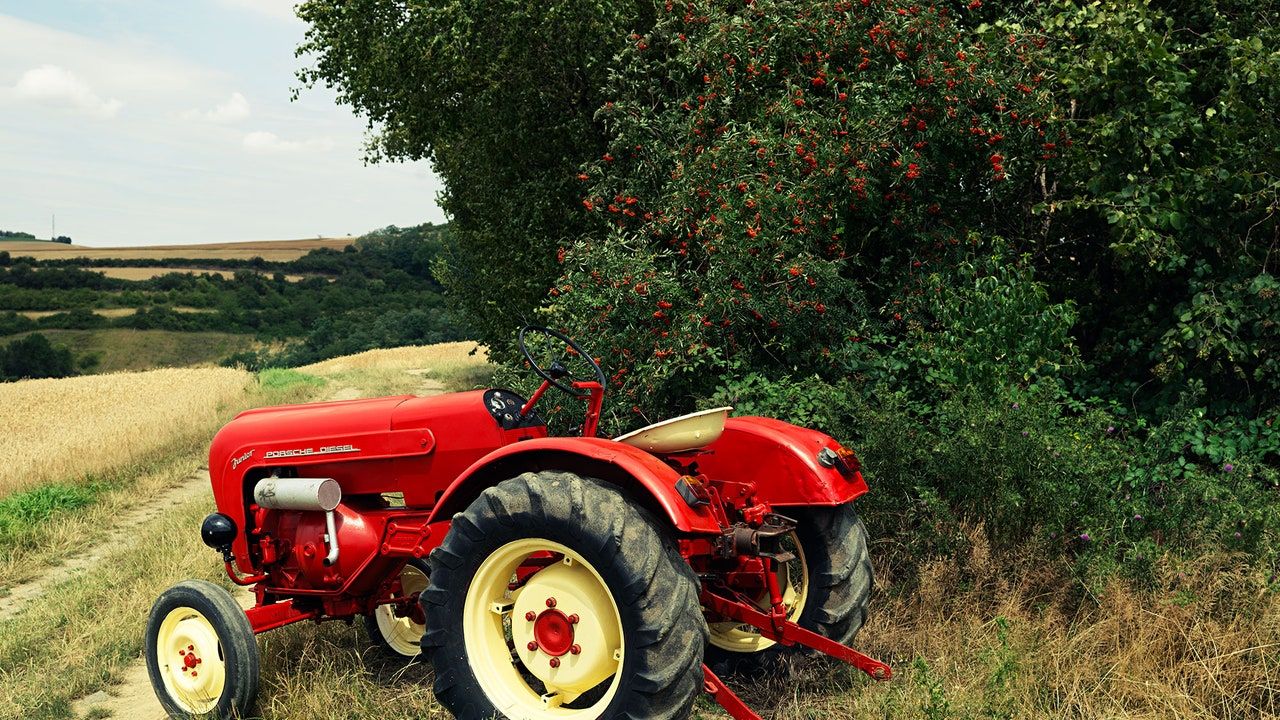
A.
x: 556, y: 370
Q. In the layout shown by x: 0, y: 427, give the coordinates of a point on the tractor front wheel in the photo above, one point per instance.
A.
x: 201, y: 654
x: 553, y: 596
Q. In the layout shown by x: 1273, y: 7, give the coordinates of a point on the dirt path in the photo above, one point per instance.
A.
x: 133, y: 697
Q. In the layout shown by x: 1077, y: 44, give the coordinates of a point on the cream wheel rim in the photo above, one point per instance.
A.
x: 560, y: 630
x: 794, y: 581
x: 190, y: 659
x: 402, y: 634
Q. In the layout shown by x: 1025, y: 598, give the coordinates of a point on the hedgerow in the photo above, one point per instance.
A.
x: 1022, y: 255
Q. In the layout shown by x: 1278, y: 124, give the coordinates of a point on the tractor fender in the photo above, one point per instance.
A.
x: 781, y: 460
x: 641, y: 476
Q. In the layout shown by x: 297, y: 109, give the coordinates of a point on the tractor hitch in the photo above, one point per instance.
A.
x: 788, y: 633
x: 725, y: 697
x: 783, y: 631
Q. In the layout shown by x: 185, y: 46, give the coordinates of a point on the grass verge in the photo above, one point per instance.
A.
x: 66, y: 638
x: 40, y: 526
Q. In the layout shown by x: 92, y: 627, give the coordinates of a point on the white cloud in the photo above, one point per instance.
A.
x: 263, y: 142
x: 235, y: 109
x: 59, y: 87
x: 132, y: 71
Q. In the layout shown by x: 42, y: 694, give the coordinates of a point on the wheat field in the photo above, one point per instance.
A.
x: 438, y: 358
x: 67, y: 428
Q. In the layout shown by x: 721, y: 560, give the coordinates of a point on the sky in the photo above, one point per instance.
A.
x: 156, y: 122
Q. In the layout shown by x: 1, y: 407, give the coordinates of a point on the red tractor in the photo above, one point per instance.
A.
x: 543, y: 577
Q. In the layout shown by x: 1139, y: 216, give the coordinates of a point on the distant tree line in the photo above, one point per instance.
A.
x: 16, y: 235
x: 380, y: 291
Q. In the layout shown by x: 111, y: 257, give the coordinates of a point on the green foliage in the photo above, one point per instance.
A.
x: 383, y: 293
x: 16, y: 235
x: 34, y: 356
x: 1021, y: 255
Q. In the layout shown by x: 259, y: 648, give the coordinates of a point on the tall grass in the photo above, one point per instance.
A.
x: 68, y: 428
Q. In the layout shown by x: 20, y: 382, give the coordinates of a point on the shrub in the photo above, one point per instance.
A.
x: 35, y: 357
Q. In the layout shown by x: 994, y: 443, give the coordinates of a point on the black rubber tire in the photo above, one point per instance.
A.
x: 236, y: 642
x: 835, y: 545
x: 375, y: 633
x: 655, y: 590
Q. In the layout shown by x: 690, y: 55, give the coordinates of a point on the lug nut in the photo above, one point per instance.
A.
x: 555, y: 662
x: 573, y: 619
x: 551, y: 602
x: 531, y: 616
x: 575, y: 649
x: 533, y: 646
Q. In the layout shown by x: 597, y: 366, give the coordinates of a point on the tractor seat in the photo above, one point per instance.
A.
x: 679, y: 434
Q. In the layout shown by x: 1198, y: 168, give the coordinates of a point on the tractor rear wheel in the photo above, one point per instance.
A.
x: 400, y: 635
x: 553, y: 596
x: 826, y: 589
x: 201, y: 654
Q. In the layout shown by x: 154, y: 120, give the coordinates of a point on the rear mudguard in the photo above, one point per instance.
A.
x: 781, y: 459
x: 641, y: 476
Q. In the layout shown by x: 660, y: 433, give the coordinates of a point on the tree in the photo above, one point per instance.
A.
x: 35, y: 357
x: 500, y: 97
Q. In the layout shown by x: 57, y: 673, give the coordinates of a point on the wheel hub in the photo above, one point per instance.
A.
x: 553, y: 631
x: 565, y: 628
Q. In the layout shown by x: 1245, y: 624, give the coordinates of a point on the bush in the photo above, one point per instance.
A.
x: 35, y: 357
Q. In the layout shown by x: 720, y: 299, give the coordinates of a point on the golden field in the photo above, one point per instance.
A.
x: 62, y: 429
x: 438, y: 358
x: 265, y: 249
x: 146, y: 273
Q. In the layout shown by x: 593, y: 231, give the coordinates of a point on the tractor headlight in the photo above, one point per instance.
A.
x: 218, y: 532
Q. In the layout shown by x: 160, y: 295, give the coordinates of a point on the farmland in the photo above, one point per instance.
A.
x: 272, y: 250
x: 254, y: 304
x: 127, y: 349
x: 147, y: 273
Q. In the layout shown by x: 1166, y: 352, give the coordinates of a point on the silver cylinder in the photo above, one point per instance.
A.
x: 319, y: 494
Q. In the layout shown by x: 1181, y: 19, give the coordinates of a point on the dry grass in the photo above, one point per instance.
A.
x: 265, y: 249
x: 88, y: 629
x: 1017, y: 637
x: 443, y: 356
x: 417, y: 369
x: 67, y: 428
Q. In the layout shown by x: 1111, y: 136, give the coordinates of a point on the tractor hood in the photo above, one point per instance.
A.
x: 292, y: 433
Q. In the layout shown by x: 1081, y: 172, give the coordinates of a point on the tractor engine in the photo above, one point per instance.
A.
x: 307, y: 538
